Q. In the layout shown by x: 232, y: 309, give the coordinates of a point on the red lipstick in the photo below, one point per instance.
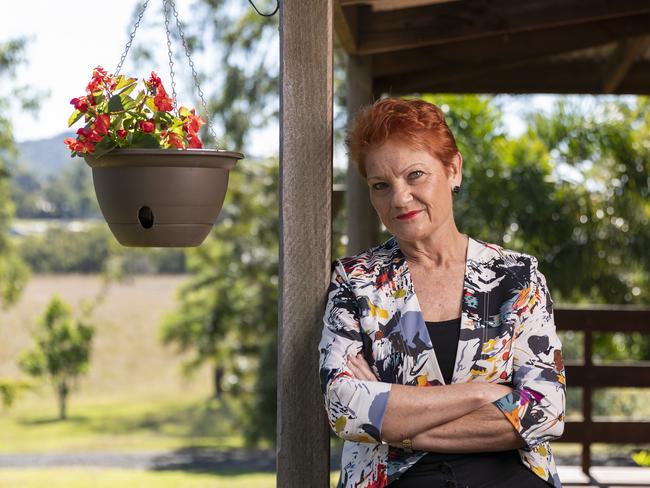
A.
x: 409, y: 215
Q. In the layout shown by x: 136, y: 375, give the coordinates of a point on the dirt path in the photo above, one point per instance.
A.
x: 185, y: 459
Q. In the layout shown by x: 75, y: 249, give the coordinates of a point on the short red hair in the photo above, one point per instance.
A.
x: 415, y: 122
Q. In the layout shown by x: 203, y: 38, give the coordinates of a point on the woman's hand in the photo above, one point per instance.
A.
x: 360, y: 368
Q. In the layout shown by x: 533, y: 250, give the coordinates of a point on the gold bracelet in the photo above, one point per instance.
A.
x: 407, y: 444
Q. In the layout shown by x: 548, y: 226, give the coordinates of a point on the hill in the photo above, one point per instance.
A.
x: 44, y: 157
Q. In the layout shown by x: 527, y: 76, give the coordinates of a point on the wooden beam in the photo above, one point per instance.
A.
x: 604, y: 318
x: 346, y: 27
x: 608, y: 432
x: 305, y: 224
x: 362, y: 220
x: 625, y: 55
x: 607, y: 376
x: 569, y: 77
x: 383, y: 5
x: 452, y: 22
x: 469, y: 56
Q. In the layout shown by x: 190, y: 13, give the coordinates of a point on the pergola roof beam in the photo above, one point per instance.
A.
x: 578, y: 77
x: 627, y: 52
x: 440, y: 23
x: 468, y: 57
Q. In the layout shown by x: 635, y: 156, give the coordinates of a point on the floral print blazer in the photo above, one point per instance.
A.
x: 507, y: 335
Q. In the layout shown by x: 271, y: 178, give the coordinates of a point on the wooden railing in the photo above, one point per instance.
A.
x: 588, y: 376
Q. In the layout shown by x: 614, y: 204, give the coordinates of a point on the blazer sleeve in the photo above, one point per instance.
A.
x: 355, y: 408
x: 536, y: 406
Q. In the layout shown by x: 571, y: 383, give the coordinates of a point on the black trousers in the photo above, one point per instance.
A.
x: 502, y: 469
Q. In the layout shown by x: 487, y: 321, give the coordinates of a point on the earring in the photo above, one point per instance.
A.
x: 456, y: 189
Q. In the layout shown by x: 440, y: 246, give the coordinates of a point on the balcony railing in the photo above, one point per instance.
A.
x: 589, y: 376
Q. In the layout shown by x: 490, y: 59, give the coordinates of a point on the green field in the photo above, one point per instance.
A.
x: 133, y: 398
x: 110, y: 478
x: 127, y: 358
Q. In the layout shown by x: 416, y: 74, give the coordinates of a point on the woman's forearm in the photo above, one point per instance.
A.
x: 484, y: 429
x: 413, y: 410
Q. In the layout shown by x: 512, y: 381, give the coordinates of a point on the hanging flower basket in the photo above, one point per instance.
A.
x: 155, y: 183
x: 161, y: 197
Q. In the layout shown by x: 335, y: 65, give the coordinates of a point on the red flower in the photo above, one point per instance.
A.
x: 195, y: 142
x: 121, y: 133
x: 101, y: 80
x: 173, y: 139
x: 176, y: 141
x: 90, y: 134
x: 162, y: 102
x: 154, y: 80
x: 147, y: 125
x: 102, y: 123
x: 80, y: 104
x: 71, y: 142
x: 193, y: 123
x: 87, y: 147
x: 79, y: 146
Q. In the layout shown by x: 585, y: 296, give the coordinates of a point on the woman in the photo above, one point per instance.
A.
x: 479, y: 329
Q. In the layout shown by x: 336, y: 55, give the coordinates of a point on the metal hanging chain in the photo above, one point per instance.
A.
x: 277, y: 7
x: 169, y: 53
x: 166, y: 6
x: 208, y: 117
x: 131, y: 37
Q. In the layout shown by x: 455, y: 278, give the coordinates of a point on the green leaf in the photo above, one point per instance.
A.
x: 149, y: 103
x: 140, y: 97
x: 127, y: 102
x: 119, y: 103
x: 147, y: 141
x: 115, y: 104
x: 104, y: 146
x: 125, y: 83
x: 76, y: 115
x: 127, y: 90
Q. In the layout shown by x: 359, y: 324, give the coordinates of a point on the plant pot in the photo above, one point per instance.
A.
x: 161, y: 197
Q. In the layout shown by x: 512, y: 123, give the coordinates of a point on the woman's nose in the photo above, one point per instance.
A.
x: 402, y: 196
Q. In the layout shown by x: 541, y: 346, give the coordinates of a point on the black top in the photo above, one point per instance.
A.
x: 474, y: 470
x: 444, y: 337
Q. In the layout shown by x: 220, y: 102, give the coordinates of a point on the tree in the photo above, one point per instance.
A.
x: 230, y: 305
x: 14, y: 274
x: 62, y: 350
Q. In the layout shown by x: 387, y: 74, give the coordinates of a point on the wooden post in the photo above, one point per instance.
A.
x: 362, y: 220
x: 305, y: 225
x: 586, y: 403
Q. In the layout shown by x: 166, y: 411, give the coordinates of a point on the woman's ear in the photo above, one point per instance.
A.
x: 456, y: 170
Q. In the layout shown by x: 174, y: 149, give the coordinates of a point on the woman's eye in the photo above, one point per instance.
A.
x: 379, y: 186
x: 415, y: 174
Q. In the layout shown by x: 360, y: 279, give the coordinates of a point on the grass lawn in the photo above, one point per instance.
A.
x: 121, y: 425
x: 134, y: 396
x: 105, y: 478
x: 111, y: 478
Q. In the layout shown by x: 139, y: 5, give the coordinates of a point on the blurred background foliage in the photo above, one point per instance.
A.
x: 572, y: 189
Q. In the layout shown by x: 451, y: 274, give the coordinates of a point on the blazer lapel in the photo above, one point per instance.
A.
x: 420, y: 365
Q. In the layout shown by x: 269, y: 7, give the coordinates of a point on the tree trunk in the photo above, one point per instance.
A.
x: 62, y: 389
x: 218, y: 381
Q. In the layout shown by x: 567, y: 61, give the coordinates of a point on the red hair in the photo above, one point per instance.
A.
x: 417, y: 123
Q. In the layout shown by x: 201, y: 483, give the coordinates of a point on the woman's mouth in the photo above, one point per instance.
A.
x: 409, y: 215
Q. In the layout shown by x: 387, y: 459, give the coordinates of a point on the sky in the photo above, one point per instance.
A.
x: 68, y: 38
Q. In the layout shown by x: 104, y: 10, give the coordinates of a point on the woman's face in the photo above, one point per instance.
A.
x: 411, y: 190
